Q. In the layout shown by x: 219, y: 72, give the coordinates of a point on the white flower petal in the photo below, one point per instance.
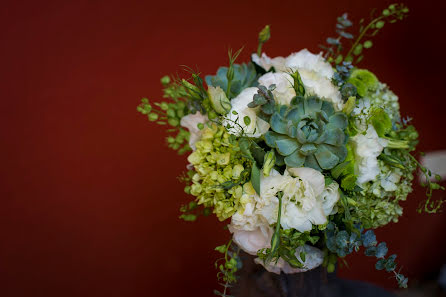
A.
x: 237, y: 121
x: 367, y: 148
x: 190, y: 122
x: 284, y: 91
x: 312, y: 176
x: 252, y: 241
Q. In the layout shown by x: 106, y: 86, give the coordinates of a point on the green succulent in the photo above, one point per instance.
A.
x: 308, y: 133
x: 245, y: 76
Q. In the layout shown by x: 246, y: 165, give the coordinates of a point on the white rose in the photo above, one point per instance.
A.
x: 237, y: 124
x: 267, y: 63
x: 367, y: 148
x: 316, y: 73
x: 252, y: 241
x: 305, y: 60
x: 321, y: 87
x: 190, y: 122
x: 313, y: 258
x: 284, y: 91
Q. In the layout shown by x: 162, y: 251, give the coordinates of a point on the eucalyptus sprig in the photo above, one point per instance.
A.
x: 392, y: 14
x: 342, y: 242
x: 334, y: 51
x: 335, y: 47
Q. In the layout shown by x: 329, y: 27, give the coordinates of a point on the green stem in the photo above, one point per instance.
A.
x: 259, y: 49
x: 362, y: 35
x: 396, y: 143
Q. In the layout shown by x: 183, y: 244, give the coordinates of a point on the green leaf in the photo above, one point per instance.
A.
x: 247, y: 120
x: 380, y: 24
x: 381, y: 250
x: 368, y: 44
x: 221, y: 248
x: 298, y: 84
x: 369, y: 239
x: 358, y: 49
x: 381, y: 122
x: 380, y: 264
x: 255, y: 178
x: 188, y: 217
x: 245, y: 146
x: 339, y: 169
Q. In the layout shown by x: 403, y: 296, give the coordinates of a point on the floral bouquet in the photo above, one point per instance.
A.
x: 303, y: 155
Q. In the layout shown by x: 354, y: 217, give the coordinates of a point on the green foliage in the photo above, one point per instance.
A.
x: 334, y: 46
x: 286, y: 243
x: 265, y: 99
x: 343, y: 241
x: 243, y: 76
x: 264, y: 36
x: 364, y: 81
x: 308, y: 133
x: 255, y: 178
x: 227, y: 266
x: 168, y: 113
x: 391, y: 15
x: 381, y: 122
x: 298, y: 84
x: 344, y: 172
x: 429, y: 205
x: 335, y: 49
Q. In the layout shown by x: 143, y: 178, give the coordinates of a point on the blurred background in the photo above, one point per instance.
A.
x: 89, y: 191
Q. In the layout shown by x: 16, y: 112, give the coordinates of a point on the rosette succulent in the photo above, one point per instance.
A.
x: 308, y: 133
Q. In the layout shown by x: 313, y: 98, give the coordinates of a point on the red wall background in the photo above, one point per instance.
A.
x: 89, y: 195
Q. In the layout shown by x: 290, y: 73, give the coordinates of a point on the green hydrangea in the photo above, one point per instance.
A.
x: 378, y: 202
x: 380, y: 98
x: 220, y: 168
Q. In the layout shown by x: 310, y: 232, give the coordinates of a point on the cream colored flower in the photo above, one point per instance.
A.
x: 284, y: 91
x: 252, y: 241
x: 236, y: 121
x: 315, y: 72
x: 190, y: 122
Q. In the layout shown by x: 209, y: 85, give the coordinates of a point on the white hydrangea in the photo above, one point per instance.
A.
x: 284, y: 91
x: 237, y: 124
x: 367, y: 147
x: 315, y: 72
x: 390, y: 181
x: 190, y: 122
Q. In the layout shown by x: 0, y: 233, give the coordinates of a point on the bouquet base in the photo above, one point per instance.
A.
x: 256, y: 281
